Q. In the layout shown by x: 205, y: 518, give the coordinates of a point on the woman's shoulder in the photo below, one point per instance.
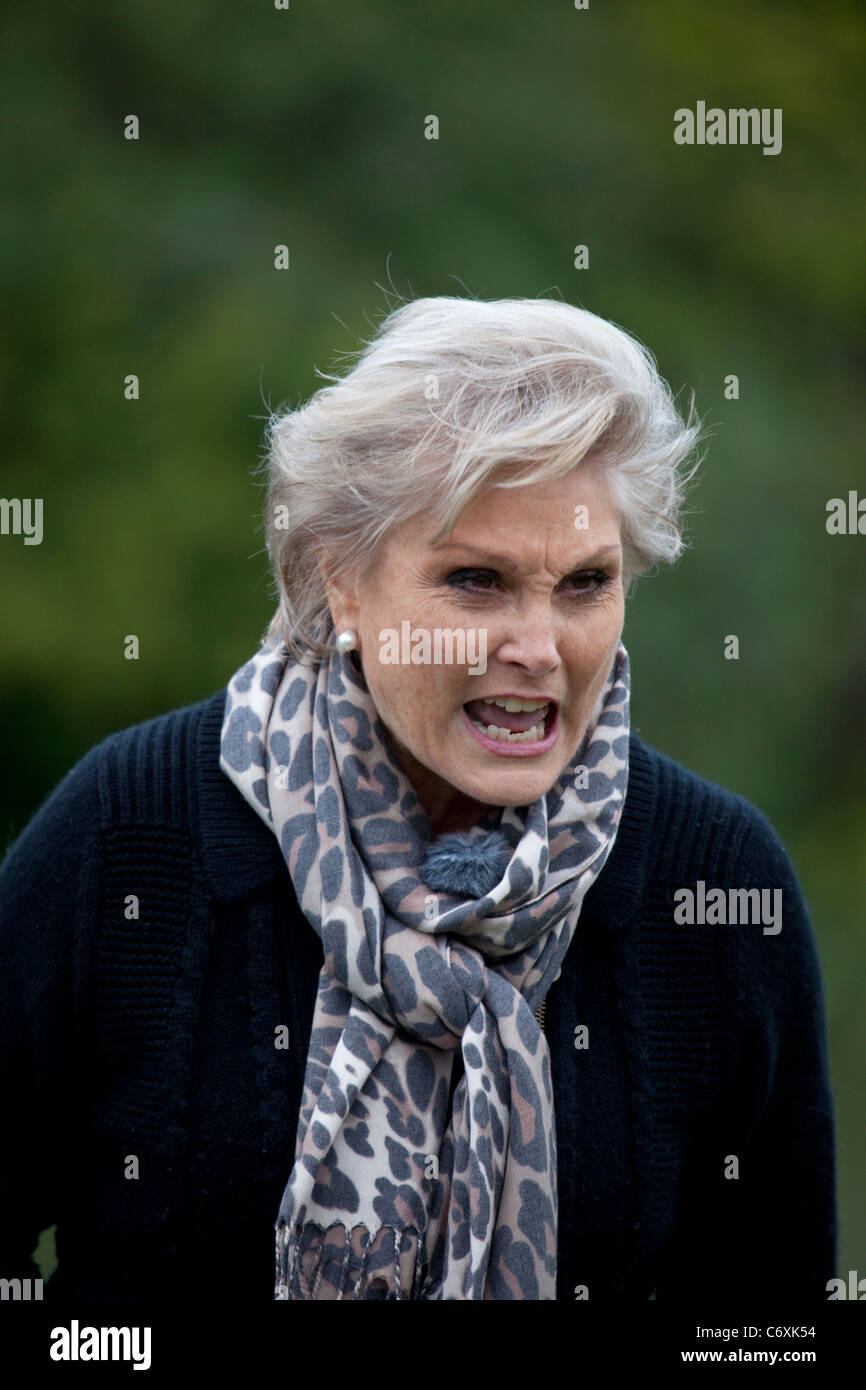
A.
x: 144, y: 771
x: 148, y: 804
x: 150, y: 792
x: 694, y: 819
x: 179, y: 731
x: 715, y: 866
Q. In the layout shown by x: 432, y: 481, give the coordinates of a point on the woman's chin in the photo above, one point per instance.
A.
x: 512, y: 786
x: 485, y: 772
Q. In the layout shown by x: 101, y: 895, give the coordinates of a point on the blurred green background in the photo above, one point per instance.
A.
x: 305, y: 126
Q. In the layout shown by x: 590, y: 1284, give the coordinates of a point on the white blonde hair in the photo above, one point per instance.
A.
x: 452, y: 396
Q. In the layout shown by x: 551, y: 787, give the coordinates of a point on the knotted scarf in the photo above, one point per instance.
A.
x: 409, y: 1180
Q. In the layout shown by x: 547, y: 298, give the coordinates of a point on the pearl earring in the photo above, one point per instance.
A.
x: 347, y: 641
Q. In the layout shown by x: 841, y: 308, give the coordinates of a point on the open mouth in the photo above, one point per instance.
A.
x: 509, y: 724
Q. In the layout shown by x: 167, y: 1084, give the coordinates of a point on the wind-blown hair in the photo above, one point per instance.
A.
x: 450, y: 397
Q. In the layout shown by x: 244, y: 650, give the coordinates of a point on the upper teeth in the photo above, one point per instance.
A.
x: 513, y: 705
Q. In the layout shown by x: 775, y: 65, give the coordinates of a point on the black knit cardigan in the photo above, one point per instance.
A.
x: 149, y: 1114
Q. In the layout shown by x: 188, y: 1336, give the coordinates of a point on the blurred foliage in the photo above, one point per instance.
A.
x: 305, y: 126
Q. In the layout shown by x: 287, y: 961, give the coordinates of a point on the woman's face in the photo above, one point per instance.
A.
x: 544, y: 594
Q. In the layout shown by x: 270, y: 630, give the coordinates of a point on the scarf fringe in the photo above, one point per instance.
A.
x: 315, y: 1262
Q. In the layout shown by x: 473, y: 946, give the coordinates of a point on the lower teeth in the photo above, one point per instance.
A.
x: 532, y: 735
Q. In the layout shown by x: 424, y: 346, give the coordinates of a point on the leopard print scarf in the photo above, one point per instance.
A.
x: 405, y: 1185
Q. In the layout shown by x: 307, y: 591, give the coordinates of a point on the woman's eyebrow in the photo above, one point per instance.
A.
x: 507, y: 561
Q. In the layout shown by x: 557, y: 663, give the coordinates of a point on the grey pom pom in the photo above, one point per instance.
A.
x: 464, y: 864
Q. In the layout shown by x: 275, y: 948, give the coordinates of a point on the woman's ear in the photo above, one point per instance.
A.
x: 340, y: 593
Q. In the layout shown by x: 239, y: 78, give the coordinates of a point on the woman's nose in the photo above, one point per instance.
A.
x: 531, y: 643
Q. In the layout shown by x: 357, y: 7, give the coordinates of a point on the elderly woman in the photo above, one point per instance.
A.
x: 406, y: 947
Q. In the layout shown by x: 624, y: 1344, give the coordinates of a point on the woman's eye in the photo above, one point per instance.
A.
x: 590, y: 583
x: 470, y: 579
x: 587, y: 582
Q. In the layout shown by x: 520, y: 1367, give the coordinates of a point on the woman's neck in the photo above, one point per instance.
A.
x: 446, y: 807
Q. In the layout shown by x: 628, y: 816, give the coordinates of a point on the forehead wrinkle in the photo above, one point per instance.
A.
x: 508, y: 562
